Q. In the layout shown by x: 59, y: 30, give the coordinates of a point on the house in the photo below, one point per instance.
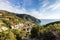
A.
x: 19, y: 25
x: 3, y: 29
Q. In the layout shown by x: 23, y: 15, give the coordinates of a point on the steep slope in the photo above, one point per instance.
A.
x: 14, y: 22
x: 13, y: 27
x: 29, y: 18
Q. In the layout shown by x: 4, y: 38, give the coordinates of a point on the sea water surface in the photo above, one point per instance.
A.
x: 46, y: 21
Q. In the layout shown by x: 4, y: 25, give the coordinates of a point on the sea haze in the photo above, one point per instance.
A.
x: 46, y: 21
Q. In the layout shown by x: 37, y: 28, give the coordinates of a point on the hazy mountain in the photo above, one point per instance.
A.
x: 52, y: 23
x: 29, y: 18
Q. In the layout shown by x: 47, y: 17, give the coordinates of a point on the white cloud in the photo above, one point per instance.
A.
x: 5, y: 5
x: 55, y: 6
x: 51, y: 11
x: 27, y: 2
x: 43, y: 13
x: 44, y: 3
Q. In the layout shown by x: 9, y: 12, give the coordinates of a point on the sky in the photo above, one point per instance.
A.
x: 41, y: 9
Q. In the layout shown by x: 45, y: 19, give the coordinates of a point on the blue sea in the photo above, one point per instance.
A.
x: 46, y: 21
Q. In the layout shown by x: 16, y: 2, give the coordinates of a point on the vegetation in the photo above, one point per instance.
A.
x: 51, y: 32
x: 29, y: 18
x: 15, y: 28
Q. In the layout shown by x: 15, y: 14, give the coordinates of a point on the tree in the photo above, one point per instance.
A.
x: 7, y: 35
x: 34, y: 31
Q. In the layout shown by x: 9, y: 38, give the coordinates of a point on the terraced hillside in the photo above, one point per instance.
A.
x: 12, y: 25
x: 10, y: 20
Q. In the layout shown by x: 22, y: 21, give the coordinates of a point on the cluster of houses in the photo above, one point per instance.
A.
x: 19, y: 26
x: 23, y: 27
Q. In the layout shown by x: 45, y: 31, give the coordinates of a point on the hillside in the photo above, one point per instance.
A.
x: 12, y: 25
x: 24, y: 27
x: 12, y: 21
x: 52, y: 23
x: 29, y: 18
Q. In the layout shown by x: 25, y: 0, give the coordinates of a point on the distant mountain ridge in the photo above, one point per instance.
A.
x: 52, y: 23
x: 15, y: 21
x: 24, y: 17
x: 29, y: 18
x: 16, y: 27
x: 46, y: 21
